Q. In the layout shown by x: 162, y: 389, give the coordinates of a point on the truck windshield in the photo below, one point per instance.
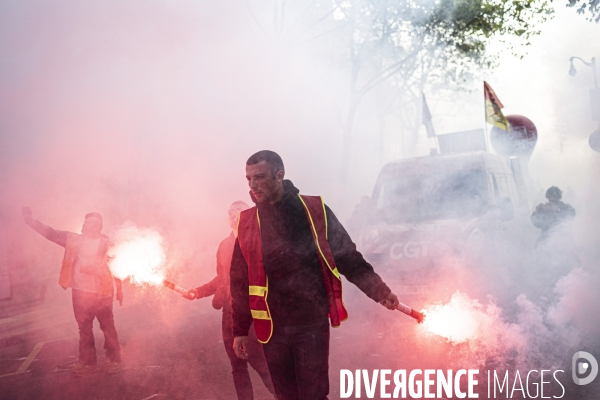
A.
x: 414, y: 198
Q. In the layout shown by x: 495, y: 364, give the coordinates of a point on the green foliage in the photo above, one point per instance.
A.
x: 471, y: 24
x: 447, y: 39
x: 403, y: 47
x: 467, y: 29
x: 591, y: 8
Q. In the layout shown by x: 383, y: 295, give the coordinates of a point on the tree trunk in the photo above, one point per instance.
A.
x: 347, y: 138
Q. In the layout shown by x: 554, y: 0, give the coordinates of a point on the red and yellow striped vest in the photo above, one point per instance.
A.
x: 258, y: 284
x: 71, y: 251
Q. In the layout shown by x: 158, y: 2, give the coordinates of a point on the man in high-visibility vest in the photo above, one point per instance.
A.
x: 85, y: 270
x: 219, y: 287
x: 285, y: 277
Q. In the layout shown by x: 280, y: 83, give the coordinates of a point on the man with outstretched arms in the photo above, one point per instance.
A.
x: 85, y: 270
x: 285, y: 277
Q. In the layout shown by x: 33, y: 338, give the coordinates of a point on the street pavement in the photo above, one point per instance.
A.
x: 171, y: 349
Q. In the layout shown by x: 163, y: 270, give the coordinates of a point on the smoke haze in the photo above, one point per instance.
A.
x: 147, y: 111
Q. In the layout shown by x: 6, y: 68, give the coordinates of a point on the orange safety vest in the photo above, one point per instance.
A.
x: 71, y: 252
x: 258, y: 284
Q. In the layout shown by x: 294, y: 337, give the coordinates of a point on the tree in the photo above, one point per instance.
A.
x: 411, y: 45
x: 397, y: 48
x: 590, y: 8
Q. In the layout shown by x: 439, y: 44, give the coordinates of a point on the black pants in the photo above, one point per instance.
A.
x: 86, y: 307
x: 239, y: 367
x: 298, y: 360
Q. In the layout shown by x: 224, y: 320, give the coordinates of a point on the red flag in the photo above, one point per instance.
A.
x: 493, y: 106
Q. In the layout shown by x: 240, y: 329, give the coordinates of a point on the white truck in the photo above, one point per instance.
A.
x: 427, y: 210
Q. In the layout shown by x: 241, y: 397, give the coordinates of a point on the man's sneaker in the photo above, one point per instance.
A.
x: 113, y: 367
x: 86, y: 370
x: 77, y: 367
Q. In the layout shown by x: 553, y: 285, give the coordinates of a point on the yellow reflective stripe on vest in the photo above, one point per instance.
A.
x: 257, y: 290
x: 336, y: 273
x: 312, y: 225
x: 325, y: 214
x: 259, y: 314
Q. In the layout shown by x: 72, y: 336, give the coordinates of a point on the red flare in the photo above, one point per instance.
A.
x: 420, y: 317
x: 175, y: 287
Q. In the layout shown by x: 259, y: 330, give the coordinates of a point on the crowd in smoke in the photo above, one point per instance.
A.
x: 149, y: 114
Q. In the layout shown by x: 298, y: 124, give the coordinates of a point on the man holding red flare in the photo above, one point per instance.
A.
x: 219, y: 287
x: 285, y: 277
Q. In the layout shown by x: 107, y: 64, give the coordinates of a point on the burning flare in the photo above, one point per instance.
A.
x: 138, y: 254
x: 458, y: 321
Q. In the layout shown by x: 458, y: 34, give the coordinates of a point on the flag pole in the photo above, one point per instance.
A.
x: 486, y: 134
x: 426, y: 119
x: 485, y: 123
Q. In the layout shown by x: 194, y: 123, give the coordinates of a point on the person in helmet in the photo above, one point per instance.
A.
x: 548, y: 216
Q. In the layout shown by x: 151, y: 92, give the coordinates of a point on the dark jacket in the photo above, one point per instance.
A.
x: 219, y: 286
x: 297, y: 293
x: 547, y: 216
